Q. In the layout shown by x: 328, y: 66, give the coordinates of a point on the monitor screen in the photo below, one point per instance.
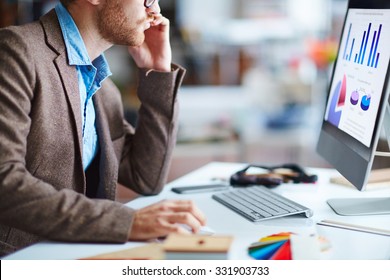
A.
x: 358, y: 92
x: 360, y: 73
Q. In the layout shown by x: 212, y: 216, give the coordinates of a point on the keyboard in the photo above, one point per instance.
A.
x: 258, y: 203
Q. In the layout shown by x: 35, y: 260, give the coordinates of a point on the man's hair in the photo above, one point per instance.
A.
x: 66, y: 2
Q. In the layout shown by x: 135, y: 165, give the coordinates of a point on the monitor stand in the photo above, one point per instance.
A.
x: 368, y: 206
x: 360, y: 206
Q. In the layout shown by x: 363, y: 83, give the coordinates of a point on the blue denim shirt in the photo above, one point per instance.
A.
x: 90, y: 76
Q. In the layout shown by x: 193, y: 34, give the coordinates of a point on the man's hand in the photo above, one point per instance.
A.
x: 165, y: 217
x: 155, y: 53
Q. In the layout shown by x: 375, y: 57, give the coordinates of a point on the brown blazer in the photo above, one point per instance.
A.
x: 42, y: 181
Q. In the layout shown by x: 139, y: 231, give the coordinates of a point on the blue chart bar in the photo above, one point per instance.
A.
x: 375, y: 54
x: 377, y: 59
x: 360, y: 55
x: 346, y: 44
x: 365, y: 43
x: 361, y: 47
x: 350, y: 53
x: 372, y: 48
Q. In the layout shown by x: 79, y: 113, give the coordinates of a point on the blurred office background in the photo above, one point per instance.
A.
x: 257, y: 76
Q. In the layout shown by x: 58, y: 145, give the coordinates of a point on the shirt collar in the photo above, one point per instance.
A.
x: 75, y: 47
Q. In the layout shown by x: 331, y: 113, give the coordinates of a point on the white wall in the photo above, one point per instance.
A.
x: 200, y: 14
x: 310, y: 16
x: 306, y: 15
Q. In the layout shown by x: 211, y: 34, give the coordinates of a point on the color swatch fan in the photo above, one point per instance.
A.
x: 289, y: 246
x: 272, y: 247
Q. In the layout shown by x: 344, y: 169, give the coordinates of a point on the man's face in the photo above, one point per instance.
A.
x: 123, y: 22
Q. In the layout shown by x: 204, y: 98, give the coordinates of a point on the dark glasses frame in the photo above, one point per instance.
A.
x: 149, y: 3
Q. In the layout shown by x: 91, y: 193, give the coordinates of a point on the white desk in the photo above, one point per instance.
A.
x: 346, y: 244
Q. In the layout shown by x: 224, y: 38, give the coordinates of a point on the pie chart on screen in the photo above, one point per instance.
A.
x: 337, y: 102
x: 354, y: 97
x: 366, y: 101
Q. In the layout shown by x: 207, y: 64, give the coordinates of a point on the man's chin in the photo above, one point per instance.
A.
x: 130, y: 42
x: 137, y: 43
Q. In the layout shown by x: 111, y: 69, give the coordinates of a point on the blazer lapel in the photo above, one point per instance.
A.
x: 108, y: 170
x: 68, y: 76
x: 69, y: 79
x: 67, y: 73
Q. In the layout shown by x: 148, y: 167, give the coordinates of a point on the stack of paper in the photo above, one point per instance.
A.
x: 286, y: 246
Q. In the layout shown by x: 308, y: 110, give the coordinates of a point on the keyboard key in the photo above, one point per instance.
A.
x: 251, y: 203
x: 264, y: 199
x: 242, y: 209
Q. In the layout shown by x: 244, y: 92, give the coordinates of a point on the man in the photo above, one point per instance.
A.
x: 64, y: 144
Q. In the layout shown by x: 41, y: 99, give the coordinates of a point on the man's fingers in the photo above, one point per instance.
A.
x: 161, y: 22
x: 184, y: 218
x: 189, y: 206
x: 186, y: 206
x: 165, y: 217
x: 173, y: 228
x: 159, y: 19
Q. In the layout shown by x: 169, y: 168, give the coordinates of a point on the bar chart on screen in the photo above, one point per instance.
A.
x: 362, y: 44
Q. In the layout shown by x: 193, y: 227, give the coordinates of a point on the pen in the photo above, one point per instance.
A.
x: 354, y: 227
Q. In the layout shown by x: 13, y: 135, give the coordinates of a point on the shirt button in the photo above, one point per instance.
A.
x: 89, y: 68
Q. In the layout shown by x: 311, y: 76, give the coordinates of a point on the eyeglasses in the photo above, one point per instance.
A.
x: 149, y: 3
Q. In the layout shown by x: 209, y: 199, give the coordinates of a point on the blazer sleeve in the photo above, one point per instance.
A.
x: 28, y: 203
x: 147, y: 153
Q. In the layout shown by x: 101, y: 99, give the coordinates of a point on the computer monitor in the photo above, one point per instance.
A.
x: 357, y: 102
